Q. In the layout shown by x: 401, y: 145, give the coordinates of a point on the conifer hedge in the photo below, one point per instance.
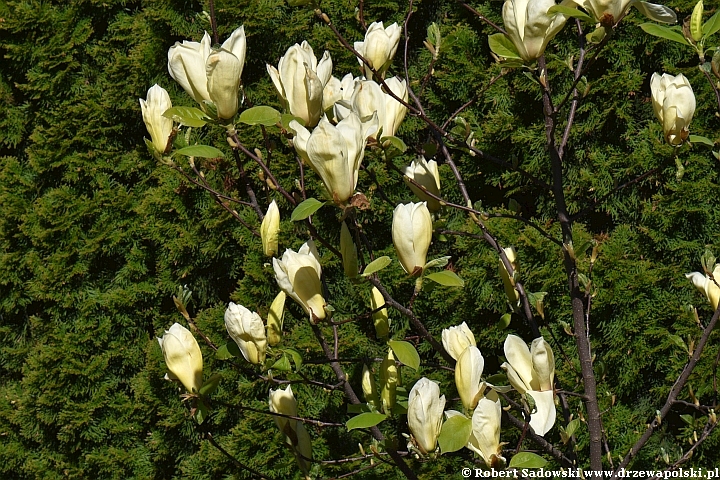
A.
x: 96, y: 237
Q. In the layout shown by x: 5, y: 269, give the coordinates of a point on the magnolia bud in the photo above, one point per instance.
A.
x: 247, y: 330
x: 425, y: 413
x: 485, y: 438
x: 412, y: 234
x: 283, y: 402
x: 348, y: 251
x: 269, y: 229
x: 369, y: 388
x: 275, y: 319
x: 706, y: 285
x: 456, y: 339
x: 159, y: 127
x: 468, y: 371
x: 380, y: 318
x: 508, y: 281
x: 388, y: 382
x: 426, y: 174
x: 182, y: 357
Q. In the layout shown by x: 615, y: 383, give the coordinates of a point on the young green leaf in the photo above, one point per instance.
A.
x: 502, y: 46
x: 664, y: 32
x: 447, y: 278
x: 712, y: 25
x: 527, y: 460
x: 701, y: 139
x: 205, y: 151
x: 190, y: 116
x: 211, y: 384
x: 571, y: 12
x: 305, y: 209
x: 365, y: 420
x: 405, y: 353
x: 223, y: 353
x: 376, y: 265
x: 260, y: 115
x: 455, y: 433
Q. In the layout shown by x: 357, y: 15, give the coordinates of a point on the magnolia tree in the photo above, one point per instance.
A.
x: 429, y: 396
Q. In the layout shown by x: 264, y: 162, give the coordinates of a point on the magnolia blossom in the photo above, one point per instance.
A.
x: 335, y: 152
x: 456, y: 339
x: 159, y: 127
x: 300, y: 80
x: 269, y: 229
x: 425, y: 413
x: 336, y: 90
x: 182, y: 357
x: 485, y: 438
x: 426, y: 174
x: 532, y: 370
x: 284, y: 403
x: 369, y: 388
x: 706, y: 285
x: 530, y: 27
x: 298, y: 275
x: 609, y: 12
x: 368, y: 98
x: 210, y: 75
x: 246, y: 328
x: 468, y: 370
x: 379, y: 47
x: 508, y: 281
x: 674, y: 105
x: 412, y: 234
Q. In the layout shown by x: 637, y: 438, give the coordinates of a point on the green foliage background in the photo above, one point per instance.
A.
x: 96, y: 237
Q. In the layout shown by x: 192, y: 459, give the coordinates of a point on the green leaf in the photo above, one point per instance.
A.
x: 712, y: 25
x: 502, y: 46
x: 296, y: 357
x: 376, y: 265
x: 202, y: 412
x: 190, y: 116
x: 223, y: 353
x: 701, y: 139
x: 393, y: 142
x: 305, y: 209
x: 571, y: 12
x: 527, y: 460
x: 405, y: 353
x: 572, y: 427
x: 664, y: 32
x: 205, y: 151
x: 504, y: 321
x: 455, y: 433
x: 286, y: 118
x: 365, y: 420
x: 438, y: 262
x: 596, y: 35
x: 677, y: 340
x: 447, y: 278
x: 283, y: 364
x: 260, y: 115
x: 234, y: 349
x: 210, y: 384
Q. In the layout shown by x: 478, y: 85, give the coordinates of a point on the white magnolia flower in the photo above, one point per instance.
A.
x: 210, y: 75
x: 298, y: 275
x: 674, y: 105
x: 300, y: 80
x: 456, y: 339
x: 379, y: 47
x: 530, y: 27
x: 248, y: 331
x: 426, y: 174
x: 706, y: 285
x: 532, y: 370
